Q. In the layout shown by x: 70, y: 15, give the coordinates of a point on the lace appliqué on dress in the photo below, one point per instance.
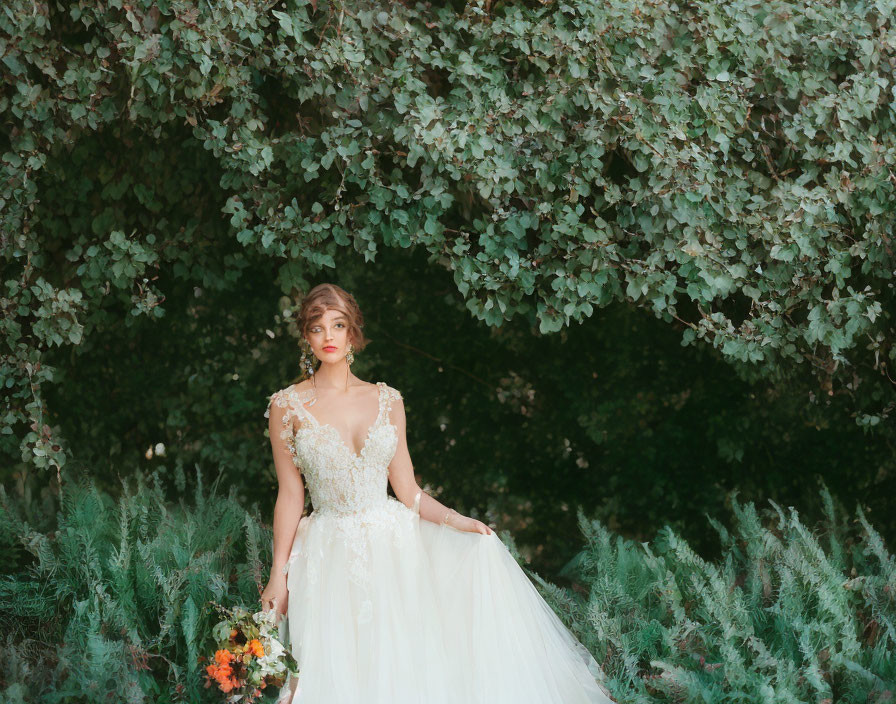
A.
x: 348, y: 489
x: 286, y: 399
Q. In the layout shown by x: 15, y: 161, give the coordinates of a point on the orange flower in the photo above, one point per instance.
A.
x: 223, y: 676
x: 223, y: 657
x: 255, y: 647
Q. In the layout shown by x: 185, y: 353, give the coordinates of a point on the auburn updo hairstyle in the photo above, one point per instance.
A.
x: 326, y: 296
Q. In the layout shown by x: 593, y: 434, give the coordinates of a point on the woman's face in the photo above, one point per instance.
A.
x: 328, y: 336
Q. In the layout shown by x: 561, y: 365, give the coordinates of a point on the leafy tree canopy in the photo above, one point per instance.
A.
x: 725, y: 168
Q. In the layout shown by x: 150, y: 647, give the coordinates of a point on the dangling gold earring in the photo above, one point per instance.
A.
x: 350, y: 355
x: 306, y: 361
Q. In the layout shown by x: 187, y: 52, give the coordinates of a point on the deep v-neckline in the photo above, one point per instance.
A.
x: 379, y: 414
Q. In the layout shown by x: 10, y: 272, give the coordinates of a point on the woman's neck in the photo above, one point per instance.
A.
x: 334, y: 376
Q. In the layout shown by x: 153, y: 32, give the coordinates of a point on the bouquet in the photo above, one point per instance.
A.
x: 249, y: 656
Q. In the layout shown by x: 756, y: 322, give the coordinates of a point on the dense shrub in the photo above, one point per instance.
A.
x: 114, y: 603
x: 725, y: 167
x: 111, y: 599
x: 787, y: 614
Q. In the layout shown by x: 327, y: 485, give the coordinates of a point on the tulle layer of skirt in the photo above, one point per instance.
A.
x: 385, y: 607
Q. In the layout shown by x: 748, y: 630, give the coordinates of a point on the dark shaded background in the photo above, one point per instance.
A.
x: 614, y: 415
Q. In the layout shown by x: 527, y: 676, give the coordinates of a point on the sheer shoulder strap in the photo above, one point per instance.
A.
x: 292, y: 400
x: 282, y: 432
x: 391, y: 394
x: 279, y: 398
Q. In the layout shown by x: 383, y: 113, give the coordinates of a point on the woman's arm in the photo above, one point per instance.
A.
x: 291, y: 489
x: 404, y: 484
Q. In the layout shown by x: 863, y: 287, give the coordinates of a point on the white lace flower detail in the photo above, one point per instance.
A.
x: 348, y: 490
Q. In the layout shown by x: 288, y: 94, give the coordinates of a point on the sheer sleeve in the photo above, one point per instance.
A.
x: 282, y: 434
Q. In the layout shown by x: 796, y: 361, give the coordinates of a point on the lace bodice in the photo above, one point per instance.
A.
x: 348, y: 489
x: 338, y: 479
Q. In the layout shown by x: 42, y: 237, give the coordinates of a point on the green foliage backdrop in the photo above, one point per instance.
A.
x: 111, y: 599
x: 726, y: 167
x: 652, y: 242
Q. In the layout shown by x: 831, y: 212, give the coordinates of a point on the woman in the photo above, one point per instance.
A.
x: 401, y: 600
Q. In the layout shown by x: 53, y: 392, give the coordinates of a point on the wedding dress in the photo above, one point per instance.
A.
x: 386, y: 607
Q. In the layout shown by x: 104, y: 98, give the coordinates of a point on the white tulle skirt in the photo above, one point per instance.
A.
x: 385, y: 607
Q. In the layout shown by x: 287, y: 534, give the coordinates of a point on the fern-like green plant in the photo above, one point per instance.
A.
x: 120, y: 591
x: 786, y: 614
x: 116, y: 601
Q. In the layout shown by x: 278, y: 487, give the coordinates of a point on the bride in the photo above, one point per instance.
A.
x: 400, y: 600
